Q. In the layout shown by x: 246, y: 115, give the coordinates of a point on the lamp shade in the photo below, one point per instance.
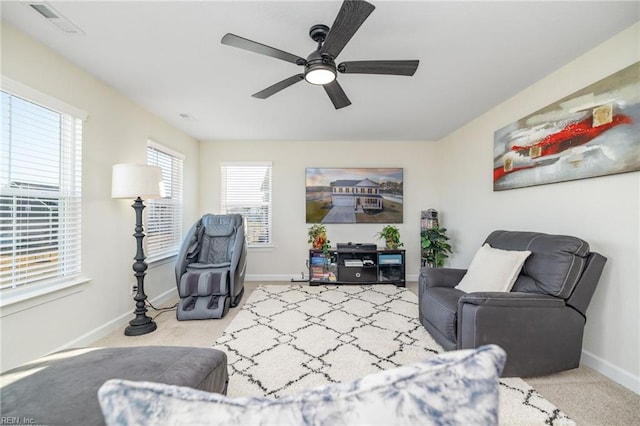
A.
x: 136, y: 180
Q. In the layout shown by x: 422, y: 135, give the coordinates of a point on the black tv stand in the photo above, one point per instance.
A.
x: 357, y: 264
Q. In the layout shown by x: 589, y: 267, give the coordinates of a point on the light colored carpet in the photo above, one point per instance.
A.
x: 290, y: 338
x: 586, y: 396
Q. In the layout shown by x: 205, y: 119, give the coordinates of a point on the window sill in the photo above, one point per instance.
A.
x: 20, y: 299
x: 158, y: 261
x: 266, y: 247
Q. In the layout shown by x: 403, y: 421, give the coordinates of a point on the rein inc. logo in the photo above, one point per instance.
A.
x: 16, y: 420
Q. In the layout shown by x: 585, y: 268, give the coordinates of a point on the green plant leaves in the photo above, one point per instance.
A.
x: 435, y: 246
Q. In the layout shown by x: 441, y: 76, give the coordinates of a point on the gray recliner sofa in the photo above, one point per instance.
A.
x: 211, y: 266
x: 539, y: 323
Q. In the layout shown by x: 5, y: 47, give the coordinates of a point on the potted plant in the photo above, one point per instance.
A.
x: 391, y: 236
x: 435, y: 246
x: 318, y: 237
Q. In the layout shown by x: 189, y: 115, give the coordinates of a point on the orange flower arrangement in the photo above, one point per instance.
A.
x: 318, y: 237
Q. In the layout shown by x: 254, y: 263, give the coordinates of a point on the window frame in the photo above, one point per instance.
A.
x: 173, y: 185
x: 69, y: 168
x: 225, y: 206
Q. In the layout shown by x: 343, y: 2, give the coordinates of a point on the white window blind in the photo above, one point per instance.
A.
x: 40, y: 190
x: 164, y: 216
x: 246, y: 189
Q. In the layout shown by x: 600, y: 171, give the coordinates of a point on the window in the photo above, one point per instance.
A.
x: 40, y: 188
x: 246, y: 189
x: 164, y: 215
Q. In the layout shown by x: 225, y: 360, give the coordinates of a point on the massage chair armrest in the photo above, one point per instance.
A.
x: 511, y: 299
x: 183, y: 259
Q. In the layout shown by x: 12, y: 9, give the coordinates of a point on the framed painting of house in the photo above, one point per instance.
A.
x: 354, y: 195
x: 592, y: 132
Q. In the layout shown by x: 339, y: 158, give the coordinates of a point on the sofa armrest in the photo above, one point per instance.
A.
x: 438, y: 277
x: 513, y: 299
x: 441, y: 277
x: 540, y: 333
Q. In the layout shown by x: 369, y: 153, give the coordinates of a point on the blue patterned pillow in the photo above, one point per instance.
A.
x: 453, y: 388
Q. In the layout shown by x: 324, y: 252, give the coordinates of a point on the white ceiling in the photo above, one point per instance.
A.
x: 167, y: 56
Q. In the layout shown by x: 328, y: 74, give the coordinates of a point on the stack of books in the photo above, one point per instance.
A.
x: 318, y: 267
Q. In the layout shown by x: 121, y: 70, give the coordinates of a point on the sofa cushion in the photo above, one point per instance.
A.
x: 554, y: 266
x: 459, y: 387
x: 61, y: 388
x: 493, y: 269
x: 440, y: 306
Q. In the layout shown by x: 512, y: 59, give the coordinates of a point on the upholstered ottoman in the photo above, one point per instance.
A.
x: 61, y: 389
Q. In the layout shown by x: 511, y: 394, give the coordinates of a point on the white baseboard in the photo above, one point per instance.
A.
x: 275, y: 277
x: 411, y: 277
x: 121, y: 321
x: 616, y: 374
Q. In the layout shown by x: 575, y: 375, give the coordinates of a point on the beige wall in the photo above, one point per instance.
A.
x: 605, y: 211
x: 287, y: 259
x: 116, y: 131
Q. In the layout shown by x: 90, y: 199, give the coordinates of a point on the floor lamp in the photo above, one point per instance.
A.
x: 138, y: 182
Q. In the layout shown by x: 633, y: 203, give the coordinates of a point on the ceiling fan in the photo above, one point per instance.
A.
x: 320, y: 67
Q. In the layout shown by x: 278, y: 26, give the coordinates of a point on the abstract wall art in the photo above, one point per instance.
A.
x: 592, y: 132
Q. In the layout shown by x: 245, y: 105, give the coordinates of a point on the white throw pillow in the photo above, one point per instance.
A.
x: 493, y: 270
x: 453, y: 388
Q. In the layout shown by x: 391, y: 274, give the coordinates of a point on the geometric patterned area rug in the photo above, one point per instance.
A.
x: 288, y: 338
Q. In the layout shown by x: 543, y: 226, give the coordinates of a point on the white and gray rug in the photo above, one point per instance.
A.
x: 292, y: 337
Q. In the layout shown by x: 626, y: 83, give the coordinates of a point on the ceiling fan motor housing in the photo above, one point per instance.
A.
x: 319, y: 64
x: 320, y: 68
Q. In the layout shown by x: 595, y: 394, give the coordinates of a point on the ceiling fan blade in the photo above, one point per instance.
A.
x: 350, y: 17
x: 253, y: 46
x: 337, y: 95
x: 379, y: 67
x: 272, y: 90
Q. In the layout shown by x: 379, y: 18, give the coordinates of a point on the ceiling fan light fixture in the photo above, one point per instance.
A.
x: 320, y: 74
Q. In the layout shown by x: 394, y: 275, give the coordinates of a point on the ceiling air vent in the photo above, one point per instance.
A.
x: 55, y: 18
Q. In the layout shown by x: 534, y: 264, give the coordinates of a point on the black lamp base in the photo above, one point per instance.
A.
x: 141, y: 324
x: 137, y: 329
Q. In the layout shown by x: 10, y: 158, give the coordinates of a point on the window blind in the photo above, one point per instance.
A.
x: 246, y: 189
x: 164, y: 216
x: 40, y: 192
